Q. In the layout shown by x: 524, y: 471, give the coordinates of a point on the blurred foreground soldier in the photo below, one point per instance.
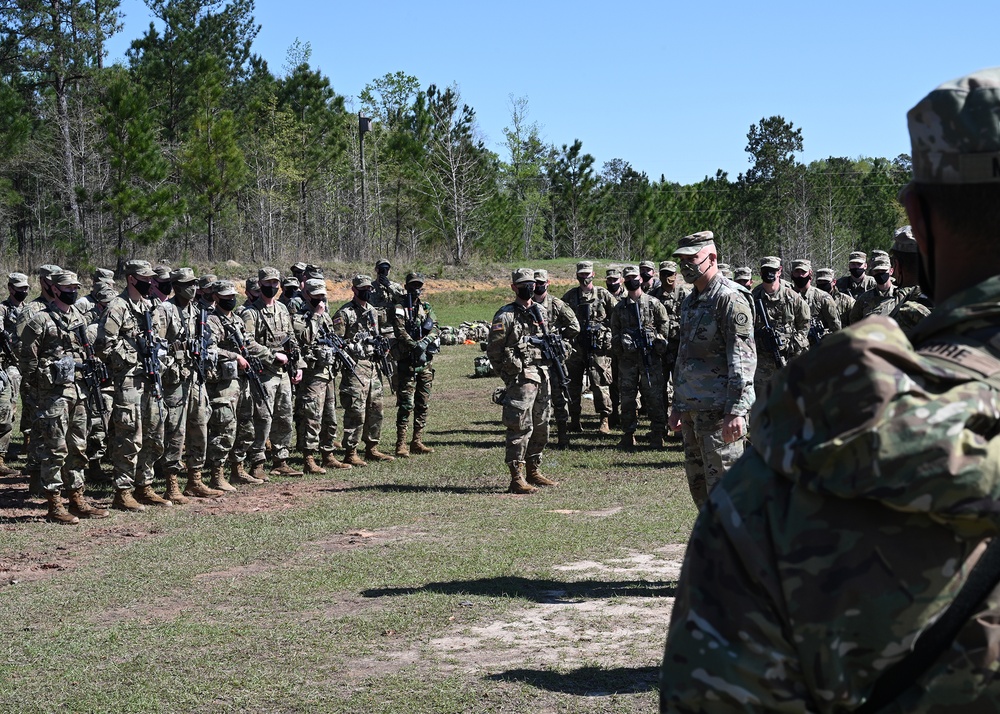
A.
x: 361, y: 325
x: 829, y: 564
x: 914, y: 305
x: 51, y: 354
x: 416, y: 330
x: 823, y: 317
x: 881, y: 299
x: 526, y: 403
x: 318, y: 389
x: 639, y: 329
x: 744, y: 277
x: 781, y: 323
x: 857, y: 281
x: 713, y: 379
x: 562, y: 322
x: 10, y: 389
x: 592, y: 306
x: 843, y: 301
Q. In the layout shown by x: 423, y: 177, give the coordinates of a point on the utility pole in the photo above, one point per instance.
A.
x: 364, y: 126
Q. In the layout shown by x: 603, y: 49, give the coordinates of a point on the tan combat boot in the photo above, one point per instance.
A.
x: 417, y: 445
x: 259, y: 472
x: 283, y: 469
x: 535, y: 476
x: 57, y: 511
x: 517, y: 482
x: 351, y: 457
x: 217, y: 479
x: 173, y: 492
x: 604, y: 427
x: 196, y: 488
x: 124, y: 501
x: 6, y: 470
x: 373, y: 454
x: 238, y: 474
x: 79, y: 507
x: 330, y: 462
x: 145, y: 494
x: 309, y: 464
x: 402, y: 451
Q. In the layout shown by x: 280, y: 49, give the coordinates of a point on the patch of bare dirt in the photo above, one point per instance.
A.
x: 24, y: 567
x: 266, y: 498
x: 360, y: 538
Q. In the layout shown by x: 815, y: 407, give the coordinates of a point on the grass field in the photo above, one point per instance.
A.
x: 413, y: 586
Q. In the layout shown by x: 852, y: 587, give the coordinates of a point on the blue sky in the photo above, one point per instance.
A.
x: 670, y: 87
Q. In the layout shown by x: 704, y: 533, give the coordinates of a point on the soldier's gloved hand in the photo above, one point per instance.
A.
x: 628, y: 343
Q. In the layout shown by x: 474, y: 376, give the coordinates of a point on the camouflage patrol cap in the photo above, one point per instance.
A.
x: 584, y: 266
x: 211, y: 288
x: 824, y: 274
x: 694, y: 243
x: 541, y: 276
x: 315, y: 287
x: 522, y: 275
x: 45, y: 271
x: 297, y: 268
x: 881, y: 264
x: 802, y: 264
x: 724, y: 268
x: 289, y: 281
x: 252, y: 283
x: 876, y: 254
x: 104, y: 292
x: 162, y: 272
x: 361, y: 281
x: 770, y: 261
x: 630, y: 271
x: 383, y: 261
x: 668, y: 265
x: 858, y: 256
x: 65, y: 279
x: 743, y: 273
x: 183, y: 275
x: 139, y: 269
x: 903, y: 241
x: 647, y: 264
x: 102, y: 275
x: 226, y: 288
x: 613, y: 273
x: 312, y: 272
x: 205, y: 280
x: 17, y: 280
x: 414, y: 278
x: 954, y: 132
x: 266, y: 273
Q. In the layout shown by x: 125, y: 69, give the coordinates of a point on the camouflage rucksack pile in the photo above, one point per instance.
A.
x: 449, y: 335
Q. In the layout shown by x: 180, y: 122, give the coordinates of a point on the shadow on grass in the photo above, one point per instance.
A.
x: 586, y: 681
x: 542, y: 591
x: 414, y: 488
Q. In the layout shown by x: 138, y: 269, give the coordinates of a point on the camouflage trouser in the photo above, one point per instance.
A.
x: 413, y: 393
x: 8, y: 406
x: 275, y: 426
x: 318, y: 397
x: 62, y: 438
x: 526, y: 411
x: 766, y: 369
x: 614, y: 389
x: 138, y: 432
x: 224, y: 400
x: 598, y: 371
x: 185, y: 437
x: 669, y: 360
x: 559, y: 397
x: 246, y: 411
x: 635, y: 378
x: 362, y: 402
x: 706, y: 456
x: 98, y: 427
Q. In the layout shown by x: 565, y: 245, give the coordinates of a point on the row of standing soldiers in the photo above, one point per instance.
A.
x: 170, y: 376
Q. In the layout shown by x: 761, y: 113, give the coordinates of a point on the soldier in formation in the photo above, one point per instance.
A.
x: 781, y: 323
x: 562, y: 322
x: 416, y: 331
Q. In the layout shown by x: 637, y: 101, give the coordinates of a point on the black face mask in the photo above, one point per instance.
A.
x: 142, y: 287
x: 857, y: 272
x: 269, y: 291
x: 666, y: 277
x: 586, y: 281
x: 800, y: 281
x: 69, y: 297
x: 317, y: 303
x: 646, y: 277
x: 364, y: 295
x: 769, y: 276
x: 288, y: 292
x: 227, y: 304
x: 881, y: 278
x: 633, y: 284
x: 382, y: 272
x: 540, y: 288
x: 525, y: 291
x: 19, y: 295
x: 825, y: 286
x: 165, y: 288
x: 612, y: 285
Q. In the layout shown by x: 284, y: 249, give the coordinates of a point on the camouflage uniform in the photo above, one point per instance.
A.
x: 561, y: 321
x: 876, y: 302
x: 671, y: 294
x: 856, y: 287
x: 592, y: 354
x: 415, y: 327
x: 99, y: 425
x: 10, y: 388
x: 714, y: 376
x: 617, y: 293
x: 823, y: 317
x: 632, y: 321
x: 842, y: 301
x: 789, y: 315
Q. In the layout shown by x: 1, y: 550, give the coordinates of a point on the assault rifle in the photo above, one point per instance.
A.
x: 6, y: 348
x: 381, y: 345
x: 642, y: 342
x: 773, y: 341
x: 419, y: 330
x: 329, y: 338
x: 151, y: 358
x: 588, y: 336
x: 95, y: 376
x: 255, y: 369
x: 816, y: 330
x: 553, y: 350
x: 201, y: 344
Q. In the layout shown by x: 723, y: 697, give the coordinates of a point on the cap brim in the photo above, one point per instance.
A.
x: 689, y: 250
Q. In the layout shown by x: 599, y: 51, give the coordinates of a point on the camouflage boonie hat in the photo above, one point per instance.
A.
x: 252, y: 283
x: 289, y: 281
x: 361, y: 281
x: 881, y: 264
x: 412, y: 278
x: 858, y: 257
x: 694, y: 243
x: 541, y: 276
x: 668, y: 265
x: 297, y: 268
x: 742, y: 274
x: 802, y: 264
x: 584, y: 266
x: 903, y: 241
x: 630, y: 271
x: 183, y: 275
x: 770, y: 261
x: 102, y: 275
x: 522, y: 275
x: 266, y: 274
x: 647, y: 264
x: 17, y: 280
x: 162, y: 273
x: 613, y: 273
x: 65, y: 279
x: 315, y: 287
x: 226, y: 288
x: 139, y: 269
x: 954, y: 132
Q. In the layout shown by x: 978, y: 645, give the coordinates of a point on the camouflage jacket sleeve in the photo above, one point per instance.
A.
x: 564, y: 320
x: 800, y: 329
x: 661, y: 319
x: 857, y: 310
x: 828, y: 314
x: 225, y: 349
x: 741, y: 353
x: 28, y: 354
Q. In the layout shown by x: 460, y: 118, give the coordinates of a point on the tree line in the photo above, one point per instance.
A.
x: 193, y: 149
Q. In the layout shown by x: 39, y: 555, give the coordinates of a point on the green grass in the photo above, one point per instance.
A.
x: 275, y: 610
